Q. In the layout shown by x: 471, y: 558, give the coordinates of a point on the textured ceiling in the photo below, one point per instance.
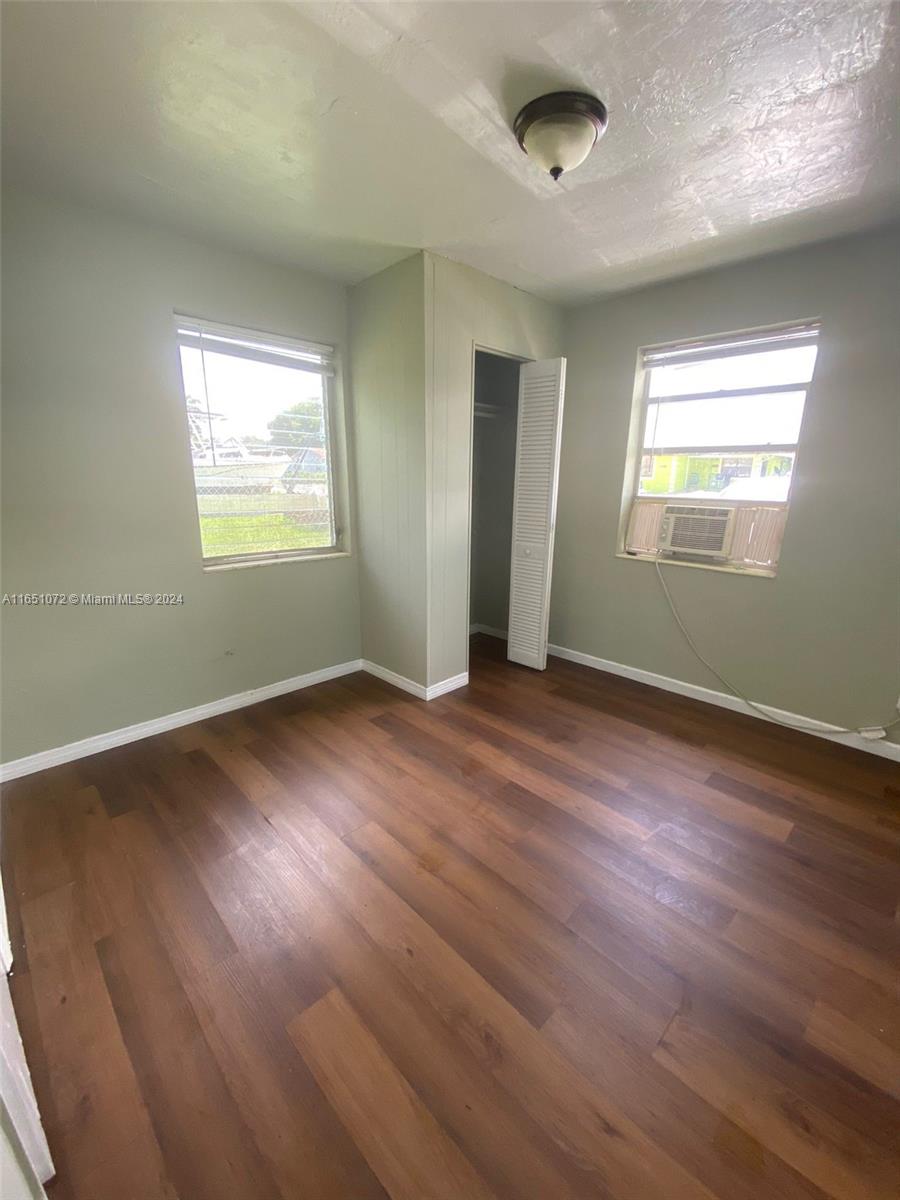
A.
x: 341, y: 136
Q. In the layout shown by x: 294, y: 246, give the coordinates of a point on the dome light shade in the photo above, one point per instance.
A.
x: 558, y: 131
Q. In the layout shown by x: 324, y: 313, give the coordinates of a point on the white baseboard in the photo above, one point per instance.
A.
x: 187, y: 716
x: 447, y: 685
x: 419, y: 690
x: 724, y: 700
x: 490, y: 631
x: 398, y: 681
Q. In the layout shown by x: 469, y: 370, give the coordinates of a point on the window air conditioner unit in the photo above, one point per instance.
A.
x: 695, y: 529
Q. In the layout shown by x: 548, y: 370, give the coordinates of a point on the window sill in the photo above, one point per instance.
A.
x: 728, y: 569
x: 211, y: 568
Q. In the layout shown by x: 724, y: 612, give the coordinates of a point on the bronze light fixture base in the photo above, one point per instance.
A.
x: 560, y: 129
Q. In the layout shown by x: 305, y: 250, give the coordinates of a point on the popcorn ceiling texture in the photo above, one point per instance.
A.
x: 343, y: 135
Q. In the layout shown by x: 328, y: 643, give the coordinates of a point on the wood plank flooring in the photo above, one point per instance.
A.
x: 553, y: 936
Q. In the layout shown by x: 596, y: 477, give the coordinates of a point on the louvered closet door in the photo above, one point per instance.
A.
x: 541, y: 388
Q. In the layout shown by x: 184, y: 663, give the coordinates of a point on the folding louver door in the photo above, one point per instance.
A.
x: 541, y: 388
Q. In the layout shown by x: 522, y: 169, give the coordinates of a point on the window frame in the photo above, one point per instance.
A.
x: 701, y: 349
x: 323, y: 360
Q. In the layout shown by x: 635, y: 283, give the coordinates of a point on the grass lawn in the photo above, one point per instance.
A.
x: 259, y: 534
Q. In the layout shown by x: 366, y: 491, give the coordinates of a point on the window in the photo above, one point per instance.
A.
x: 720, y: 424
x: 260, y: 427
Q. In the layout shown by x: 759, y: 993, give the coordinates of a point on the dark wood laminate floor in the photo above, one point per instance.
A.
x: 552, y: 936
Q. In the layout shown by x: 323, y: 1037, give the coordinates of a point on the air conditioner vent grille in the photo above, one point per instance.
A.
x: 687, y: 510
x: 692, y: 529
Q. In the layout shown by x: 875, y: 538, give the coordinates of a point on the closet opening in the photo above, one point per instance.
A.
x: 517, y: 426
x: 496, y: 397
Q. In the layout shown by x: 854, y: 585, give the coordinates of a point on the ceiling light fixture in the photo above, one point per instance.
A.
x: 560, y: 130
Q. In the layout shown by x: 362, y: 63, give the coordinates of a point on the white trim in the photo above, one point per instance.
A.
x: 399, y: 681
x: 447, y: 685
x: 419, y: 690
x: 729, y: 568
x: 187, y: 716
x: 6, y: 954
x: 263, y: 560
x: 723, y: 700
x: 133, y: 733
x: 17, y: 1097
x: 490, y: 631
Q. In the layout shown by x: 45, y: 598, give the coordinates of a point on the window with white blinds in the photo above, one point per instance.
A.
x: 720, y: 427
x: 260, y: 427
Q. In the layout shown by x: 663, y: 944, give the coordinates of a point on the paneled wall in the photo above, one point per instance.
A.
x: 388, y: 374
x: 414, y: 331
x: 465, y: 309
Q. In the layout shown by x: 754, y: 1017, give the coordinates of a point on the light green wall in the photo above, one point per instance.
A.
x: 388, y: 371
x: 493, y: 483
x: 465, y: 309
x: 823, y: 638
x: 97, y: 486
x: 98, y: 495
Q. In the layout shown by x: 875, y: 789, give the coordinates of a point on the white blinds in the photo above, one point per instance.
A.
x: 244, y: 343
x: 773, y: 339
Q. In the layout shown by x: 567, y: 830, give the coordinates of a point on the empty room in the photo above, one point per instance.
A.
x: 450, y: 663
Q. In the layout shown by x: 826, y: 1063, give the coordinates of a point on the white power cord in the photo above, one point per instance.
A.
x: 870, y: 732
